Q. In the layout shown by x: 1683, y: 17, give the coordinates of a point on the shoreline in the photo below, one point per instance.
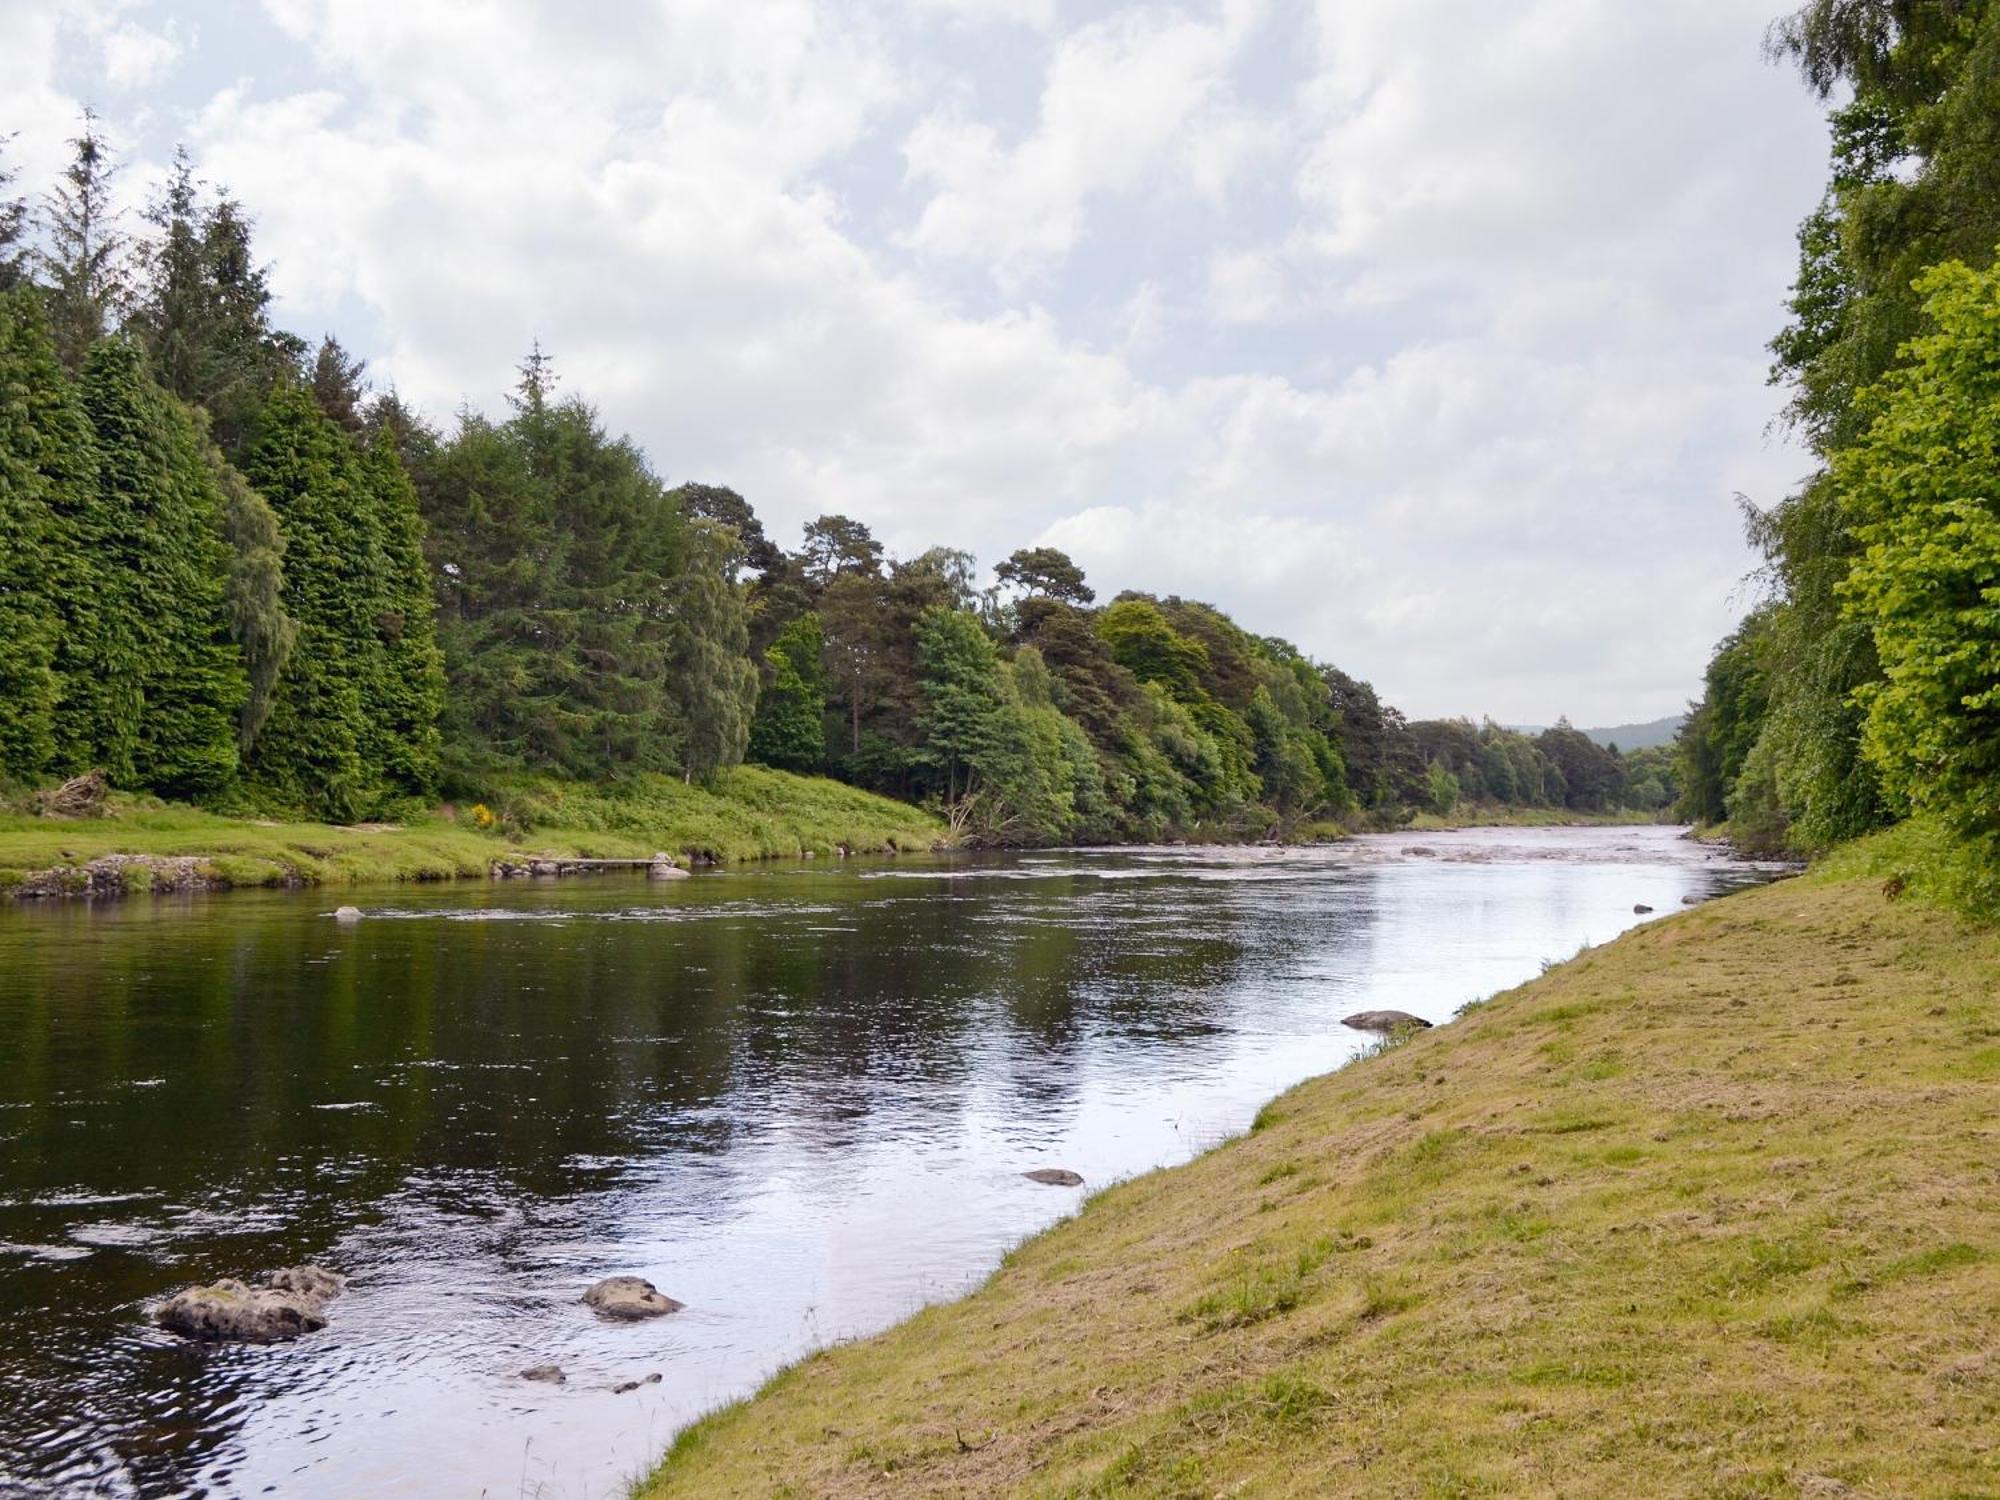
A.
x: 146, y: 847
x: 1569, y: 1191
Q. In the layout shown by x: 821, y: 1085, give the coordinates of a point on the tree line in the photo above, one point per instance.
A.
x: 230, y: 571
x: 1866, y: 685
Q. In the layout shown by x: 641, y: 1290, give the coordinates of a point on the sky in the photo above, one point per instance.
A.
x: 1427, y: 334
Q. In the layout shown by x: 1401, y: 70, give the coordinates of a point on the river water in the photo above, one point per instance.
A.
x: 798, y: 1098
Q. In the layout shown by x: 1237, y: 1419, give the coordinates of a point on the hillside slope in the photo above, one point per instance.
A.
x: 1710, y: 1211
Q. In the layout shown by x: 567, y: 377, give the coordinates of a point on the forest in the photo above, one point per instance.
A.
x: 232, y: 573
x: 1865, y: 687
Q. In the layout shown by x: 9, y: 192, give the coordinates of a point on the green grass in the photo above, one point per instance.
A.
x: 1736, y: 1236
x: 748, y: 813
x: 1478, y: 815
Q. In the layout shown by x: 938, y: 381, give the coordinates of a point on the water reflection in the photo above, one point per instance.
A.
x: 799, y: 1100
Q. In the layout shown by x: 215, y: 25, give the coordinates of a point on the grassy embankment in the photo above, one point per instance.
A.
x: 1494, y: 816
x: 1710, y: 1211
x: 750, y: 813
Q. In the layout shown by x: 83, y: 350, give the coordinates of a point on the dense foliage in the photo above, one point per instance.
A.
x: 229, y: 571
x: 1864, y: 687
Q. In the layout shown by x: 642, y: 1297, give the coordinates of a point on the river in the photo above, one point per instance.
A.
x: 799, y: 1098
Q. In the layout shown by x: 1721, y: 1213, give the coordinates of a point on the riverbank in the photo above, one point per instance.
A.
x: 748, y: 813
x: 1529, y: 817
x: 1706, y: 1211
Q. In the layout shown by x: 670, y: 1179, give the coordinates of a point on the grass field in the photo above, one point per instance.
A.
x: 1711, y: 1211
x: 749, y: 813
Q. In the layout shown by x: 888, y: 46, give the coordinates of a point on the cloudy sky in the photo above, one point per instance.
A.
x: 1426, y: 333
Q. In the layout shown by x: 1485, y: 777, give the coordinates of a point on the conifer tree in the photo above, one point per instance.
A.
x: 84, y: 261
x: 406, y: 690
x: 339, y: 385
x: 13, y: 228
x: 163, y: 567
x: 314, y: 743
x: 40, y: 442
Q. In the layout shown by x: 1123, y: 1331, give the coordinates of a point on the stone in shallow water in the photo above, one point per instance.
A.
x: 1382, y: 1020
x: 292, y: 1303
x: 1054, y: 1177
x: 545, y: 1374
x: 629, y: 1298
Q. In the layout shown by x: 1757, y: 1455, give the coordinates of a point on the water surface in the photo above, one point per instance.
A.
x: 798, y: 1098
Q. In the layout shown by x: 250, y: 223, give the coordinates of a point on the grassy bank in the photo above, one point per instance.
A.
x: 1710, y: 1211
x: 749, y: 813
x: 1529, y: 817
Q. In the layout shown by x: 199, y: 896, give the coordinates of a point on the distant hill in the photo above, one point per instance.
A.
x: 1627, y: 736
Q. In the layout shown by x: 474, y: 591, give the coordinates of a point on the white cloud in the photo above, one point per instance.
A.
x: 1118, y: 97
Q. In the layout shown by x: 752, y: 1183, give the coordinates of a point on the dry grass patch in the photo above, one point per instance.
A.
x: 1711, y: 1211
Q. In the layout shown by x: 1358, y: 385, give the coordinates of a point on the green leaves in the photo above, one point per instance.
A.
x: 1924, y: 483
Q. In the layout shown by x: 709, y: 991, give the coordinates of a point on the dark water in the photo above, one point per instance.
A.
x: 799, y: 1099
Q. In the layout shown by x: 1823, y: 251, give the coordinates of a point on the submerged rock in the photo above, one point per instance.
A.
x: 1054, y: 1177
x: 1383, y: 1020
x: 632, y: 1385
x: 545, y: 1374
x: 629, y: 1298
x: 1642, y: 909
x: 666, y: 869
x: 347, y: 914
x: 293, y: 1302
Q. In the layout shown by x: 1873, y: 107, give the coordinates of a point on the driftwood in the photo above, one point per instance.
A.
x: 79, y: 797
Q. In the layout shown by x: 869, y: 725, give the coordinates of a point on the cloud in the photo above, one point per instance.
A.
x: 1428, y: 337
x: 1118, y: 97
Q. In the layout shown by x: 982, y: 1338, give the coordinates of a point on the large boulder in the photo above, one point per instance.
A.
x: 292, y: 1302
x: 628, y: 1299
x: 1384, y: 1020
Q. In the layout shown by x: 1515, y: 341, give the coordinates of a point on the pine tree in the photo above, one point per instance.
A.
x: 339, y: 385
x: 163, y: 567
x: 406, y: 691
x: 13, y: 228
x: 84, y: 262
x: 312, y: 748
x: 204, y: 309
x: 39, y: 429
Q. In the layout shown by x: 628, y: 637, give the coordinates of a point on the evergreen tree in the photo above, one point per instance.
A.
x: 44, y: 453
x: 13, y: 228
x: 339, y: 385
x: 163, y: 570
x: 404, y: 693
x: 84, y: 261
x: 352, y: 723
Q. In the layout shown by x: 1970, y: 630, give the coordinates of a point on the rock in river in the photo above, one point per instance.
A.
x: 629, y: 1298
x: 545, y: 1374
x: 1382, y: 1020
x: 1054, y: 1177
x: 292, y: 1302
x: 347, y: 914
x: 1641, y: 909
